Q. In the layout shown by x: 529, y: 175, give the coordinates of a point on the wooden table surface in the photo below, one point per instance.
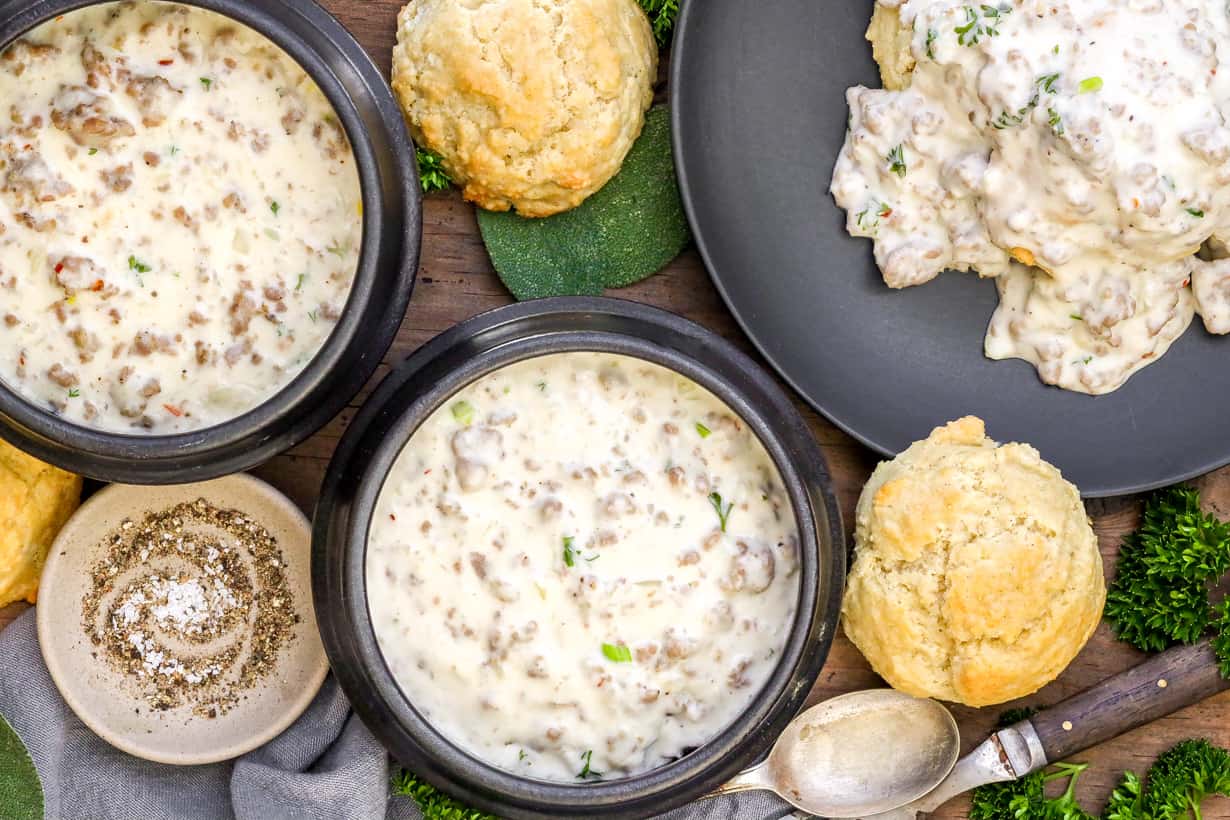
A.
x: 456, y: 282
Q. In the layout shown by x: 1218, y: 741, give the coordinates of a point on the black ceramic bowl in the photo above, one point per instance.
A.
x: 428, y: 379
x: 392, y: 227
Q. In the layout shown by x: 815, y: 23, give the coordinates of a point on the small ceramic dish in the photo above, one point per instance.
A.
x: 116, y: 703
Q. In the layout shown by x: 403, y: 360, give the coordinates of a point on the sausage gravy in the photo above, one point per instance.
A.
x: 582, y: 566
x: 1076, y: 150
x: 180, y: 218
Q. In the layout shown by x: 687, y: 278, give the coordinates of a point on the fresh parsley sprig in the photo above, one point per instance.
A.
x: 432, y: 176
x: 1176, y: 785
x: 1160, y: 595
x: 434, y: 804
x: 662, y: 14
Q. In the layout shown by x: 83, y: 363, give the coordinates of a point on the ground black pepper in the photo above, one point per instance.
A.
x: 192, y: 605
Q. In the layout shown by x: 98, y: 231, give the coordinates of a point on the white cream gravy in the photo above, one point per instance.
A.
x: 179, y: 218
x: 1086, y: 139
x: 549, y: 579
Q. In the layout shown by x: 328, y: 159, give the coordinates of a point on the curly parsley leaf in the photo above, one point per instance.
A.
x: 662, y: 15
x: 1221, y: 636
x: 1160, y: 593
x: 1025, y: 799
x: 1175, y: 786
x: 432, y: 176
x: 434, y: 804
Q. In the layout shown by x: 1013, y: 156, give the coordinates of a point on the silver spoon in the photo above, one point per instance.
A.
x: 858, y: 754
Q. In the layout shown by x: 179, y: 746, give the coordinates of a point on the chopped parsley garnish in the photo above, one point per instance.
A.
x: 275, y: 207
x: 617, y: 653
x: 569, y: 552
x: 463, y: 412
x: 976, y: 25
x: 896, y: 161
x: 138, y: 265
x: 869, y: 218
x: 1044, y: 85
x: 173, y: 150
x: 587, y: 772
x: 704, y: 431
x: 299, y: 284
x: 1055, y: 121
x: 932, y: 36
x: 1196, y: 212
x: 312, y: 315
x: 93, y: 151
x: 74, y: 393
x: 1076, y: 316
x: 206, y: 83
x: 542, y: 387
x: 1090, y: 85
x: 339, y: 250
x: 723, y: 513
x: 521, y: 755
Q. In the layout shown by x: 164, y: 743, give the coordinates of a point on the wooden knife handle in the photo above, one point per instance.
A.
x: 1163, y: 684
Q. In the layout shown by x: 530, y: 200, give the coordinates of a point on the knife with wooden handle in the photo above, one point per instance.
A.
x: 1161, y: 685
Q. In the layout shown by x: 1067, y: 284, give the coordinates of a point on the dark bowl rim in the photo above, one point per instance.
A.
x: 427, y: 380
x: 384, y: 277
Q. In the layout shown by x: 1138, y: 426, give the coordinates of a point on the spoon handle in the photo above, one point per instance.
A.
x: 753, y: 779
x: 1163, y: 684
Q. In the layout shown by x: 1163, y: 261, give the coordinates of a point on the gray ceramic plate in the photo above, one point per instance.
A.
x: 758, y: 93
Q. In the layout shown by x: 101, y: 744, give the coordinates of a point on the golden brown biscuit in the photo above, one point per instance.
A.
x: 533, y: 104
x: 977, y: 576
x: 890, y: 46
x: 35, y: 501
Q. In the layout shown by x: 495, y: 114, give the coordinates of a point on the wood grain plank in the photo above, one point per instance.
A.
x: 456, y: 282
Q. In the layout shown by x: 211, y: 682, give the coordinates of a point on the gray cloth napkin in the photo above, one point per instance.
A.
x: 327, y: 765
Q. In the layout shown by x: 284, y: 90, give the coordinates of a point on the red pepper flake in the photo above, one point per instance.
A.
x: 427, y: 471
x: 166, y: 62
x: 59, y: 267
x: 173, y: 410
x: 97, y: 286
x: 392, y: 517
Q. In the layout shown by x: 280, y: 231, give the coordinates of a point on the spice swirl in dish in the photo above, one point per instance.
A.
x: 192, y: 604
x: 179, y: 218
x: 582, y: 566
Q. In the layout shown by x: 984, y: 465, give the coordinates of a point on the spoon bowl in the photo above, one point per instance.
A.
x: 858, y: 754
